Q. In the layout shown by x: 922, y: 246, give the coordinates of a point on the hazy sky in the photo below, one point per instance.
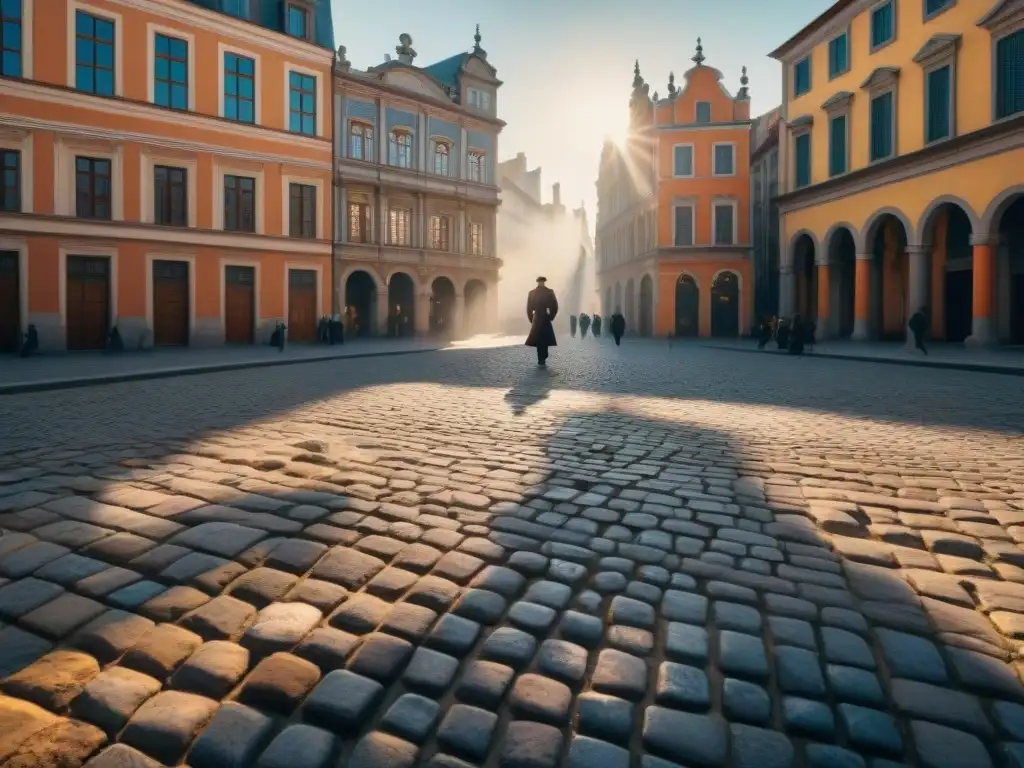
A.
x: 567, y: 65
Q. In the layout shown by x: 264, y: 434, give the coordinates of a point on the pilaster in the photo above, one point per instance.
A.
x: 983, y: 256
x: 862, y: 297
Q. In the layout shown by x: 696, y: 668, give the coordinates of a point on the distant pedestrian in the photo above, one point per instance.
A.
x: 764, y: 332
x: 782, y: 328
x: 918, y: 325
x: 584, y: 325
x: 618, y: 327
x: 597, y: 325
x: 541, y: 310
x: 572, y: 326
x: 796, y: 336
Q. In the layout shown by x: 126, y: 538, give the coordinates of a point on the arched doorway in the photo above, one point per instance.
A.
x: 475, y: 294
x: 725, y: 305
x: 617, y: 304
x: 806, y: 273
x: 1011, y: 264
x: 442, y: 307
x: 629, y: 310
x: 687, y: 306
x: 606, y: 310
x: 646, y: 306
x: 360, y: 304
x: 887, y: 239
x: 401, y: 305
x: 948, y: 232
x: 842, y: 259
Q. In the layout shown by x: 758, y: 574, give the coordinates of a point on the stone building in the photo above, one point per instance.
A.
x: 417, y: 195
x: 764, y: 213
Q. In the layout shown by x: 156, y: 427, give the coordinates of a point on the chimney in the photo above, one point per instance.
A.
x: 556, y: 194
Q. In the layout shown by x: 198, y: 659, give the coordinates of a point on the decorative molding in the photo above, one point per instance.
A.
x: 837, y: 102
x: 881, y: 78
x: 937, y: 47
x: 1002, y: 16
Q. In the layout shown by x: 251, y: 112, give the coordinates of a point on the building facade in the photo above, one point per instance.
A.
x: 764, y: 213
x: 167, y: 170
x: 902, y: 169
x: 417, y: 194
x: 673, y: 231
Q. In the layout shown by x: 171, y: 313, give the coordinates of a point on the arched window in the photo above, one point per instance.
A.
x: 360, y: 141
x: 442, y: 157
x: 477, y: 167
x: 400, y: 149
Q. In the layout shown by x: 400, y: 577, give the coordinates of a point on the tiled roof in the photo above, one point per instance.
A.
x: 447, y: 71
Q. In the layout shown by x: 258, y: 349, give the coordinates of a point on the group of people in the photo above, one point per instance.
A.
x: 793, y: 335
x: 541, y: 309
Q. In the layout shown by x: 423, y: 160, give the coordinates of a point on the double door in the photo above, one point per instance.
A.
x: 88, y: 302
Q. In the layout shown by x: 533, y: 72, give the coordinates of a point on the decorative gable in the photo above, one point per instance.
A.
x: 937, y: 47
x: 837, y: 101
x: 882, y: 77
x: 412, y: 80
x: 1002, y: 15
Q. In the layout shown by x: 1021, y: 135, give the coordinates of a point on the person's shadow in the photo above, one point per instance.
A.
x: 530, y: 390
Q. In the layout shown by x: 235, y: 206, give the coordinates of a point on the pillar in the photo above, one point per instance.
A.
x: 460, y: 231
x: 824, y: 327
x: 381, y: 308
x: 382, y: 218
x: 787, y: 290
x: 984, y: 319
x: 862, y: 297
x: 918, y: 283
x: 382, y: 133
x: 419, y: 237
x: 421, y: 321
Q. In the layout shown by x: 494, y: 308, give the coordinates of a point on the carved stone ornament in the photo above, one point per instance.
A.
x: 1002, y: 14
x: 882, y: 77
x: 837, y: 101
x: 341, y: 60
x: 937, y: 47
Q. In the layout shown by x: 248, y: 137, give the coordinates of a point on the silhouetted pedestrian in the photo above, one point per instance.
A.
x: 918, y: 325
x: 764, y: 332
x: 796, y: 336
x: 541, y: 310
x: 572, y: 326
x: 618, y: 327
x: 584, y: 325
x: 597, y: 325
x: 782, y: 333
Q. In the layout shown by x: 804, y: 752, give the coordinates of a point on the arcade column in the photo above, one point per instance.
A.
x: 862, y: 297
x: 823, y: 324
x: 919, y: 284
x: 983, y: 330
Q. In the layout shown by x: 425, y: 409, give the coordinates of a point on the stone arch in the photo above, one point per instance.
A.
x: 836, y: 229
x: 922, y: 235
x: 945, y: 230
x: 804, y: 258
x: 629, y: 309
x: 992, y: 218
x: 1007, y: 236
x: 402, y: 290
x: 379, y: 283
x: 646, y: 309
x: 362, y: 290
x: 879, y: 217
x: 726, y: 299
x: 841, y: 250
x: 686, y: 307
x: 887, y: 234
x: 475, y: 314
x: 795, y: 240
x: 442, y: 306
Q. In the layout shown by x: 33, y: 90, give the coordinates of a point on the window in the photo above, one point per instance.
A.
x: 360, y: 141
x: 442, y: 158
x: 881, y: 126
x: 802, y: 77
x: 682, y: 160
x: 399, y: 225
x: 359, y: 222
x: 170, y: 196
x: 935, y: 7
x: 170, y: 72
x: 94, y: 54
x: 239, y: 204
x: 10, y: 46
x: 803, y: 159
x: 302, y: 210
x: 1010, y: 75
x: 725, y: 155
x: 837, y: 145
x: 476, y: 167
x: 302, y: 103
x: 239, y: 8
x: 239, y: 88
x: 838, y: 55
x: 10, y: 161
x: 724, y: 222
x: 703, y: 112
x: 939, y: 100
x: 476, y: 238
x: 479, y: 99
x: 400, y: 149
x: 883, y: 28
x: 298, y: 22
x: 683, y: 225
x: 439, y: 239
x: 92, y: 188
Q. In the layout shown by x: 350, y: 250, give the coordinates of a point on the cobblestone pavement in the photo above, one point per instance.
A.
x: 639, y: 558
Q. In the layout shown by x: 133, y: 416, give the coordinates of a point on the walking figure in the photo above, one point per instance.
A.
x: 918, y: 325
x: 618, y: 327
x: 572, y: 326
x: 597, y: 326
x: 541, y: 309
x: 796, y: 336
x: 584, y: 325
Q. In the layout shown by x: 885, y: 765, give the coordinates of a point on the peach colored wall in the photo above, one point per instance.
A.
x: 703, y: 272
x: 208, y: 280
x: 131, y: 279
x: 44, y: 275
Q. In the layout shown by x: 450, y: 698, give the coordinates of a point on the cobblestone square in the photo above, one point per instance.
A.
x: 642, y: 556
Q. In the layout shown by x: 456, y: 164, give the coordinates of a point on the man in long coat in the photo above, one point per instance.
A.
x: 541, y: 309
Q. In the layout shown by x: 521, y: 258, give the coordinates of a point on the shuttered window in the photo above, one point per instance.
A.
x: 939, y: 92
x: 838, y: 55
x: 724, y: 224
x: 932, y: 7
x: 882, y: 27
x: 802, y: 77
x: 881, y: 126
x: 837, y: 146
x: 682, y: 160
x: 684, y: 225
x: 1010, y: 75
x: 803, y: 160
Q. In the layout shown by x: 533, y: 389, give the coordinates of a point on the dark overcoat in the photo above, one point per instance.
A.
x: 618, y: 325
x: 541, y: 309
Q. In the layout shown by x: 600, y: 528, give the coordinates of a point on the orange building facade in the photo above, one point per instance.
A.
x: 673, y: 232
x: 167, y: 171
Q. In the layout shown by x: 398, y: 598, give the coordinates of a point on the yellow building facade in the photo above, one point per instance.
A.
x: 902, y: 169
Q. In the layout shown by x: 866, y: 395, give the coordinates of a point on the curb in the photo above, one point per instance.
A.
x: 46, y: 385
x: 1004, y: 370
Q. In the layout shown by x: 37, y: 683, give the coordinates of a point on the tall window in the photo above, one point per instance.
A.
x: 476, y: 167
x: 881, y: 126
x: 442, y: 158
x: 883, y: 28
x: 242, y: 9
x: 11, y: 43
x: 298, y: 22
x: 302, y: 103
x: 170, y: 73
x: 476, y: 238
x: 682, y: 160
x: 92, y: 188
x: 10, y: 162
x: 939, y: 85
x: 1010, y: 75
x: 838, y: 55
x: 400, y: 149
x: 439, y: 239
x: 94, y: 54
x: 802, y: 152
x: 359, y: 222
x: 239, y: 204
x: 479, y: 99
x: 724, y: 223
x: 302, y: 210
x: 802, y: 77
x: 683, y: 220
x: 170, y: 196
x: 725, y: 160
x: 837, y: 145
x: 932, y: 7
x: 703, y: 112
x: 239, y: 88
x: 399, y: 226
x: 360, y: 141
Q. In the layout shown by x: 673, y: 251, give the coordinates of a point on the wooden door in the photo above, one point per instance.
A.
x: 302, y: 317
x: 687, y: 307
x: 88, y: 302
x: 10, y: 302
x: 170, y: 303
x: 239, y: 304
x: 725, y: 306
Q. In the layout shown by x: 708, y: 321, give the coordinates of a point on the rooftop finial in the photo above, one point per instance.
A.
x: 743, y: 77
x: 698, y: 57
x: 404, y: 49
x: 476, y: 44
x: 744, y: 80
x: 655, y: 96
x: 671, y: 84
x: 637, y: 79
x: 476, y: 37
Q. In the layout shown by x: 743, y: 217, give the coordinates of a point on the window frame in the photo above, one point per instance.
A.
x: 24, y: 51
x: 997, y: 38
x: 475, y: 239
x: 845, y: 117
x: 847, y: 34
x: 117, y: 48
x: 222, y: 96
x: 714, y: 159
x: 806, y: 60
x: 892, y: 127
x: 93, y: 161
x: 733, y: 205
x: 247, y: 4
x: 397, y: 146
x: 398, y: 215
x: 185, y: 188
x: 298, y: 228
x: 872, y: 47
x: 436, y: 144
x: 237, y: 176
x: 926, y: 16
x: 836, y: 106
x: 368, y: 156
x: 308, y: 20
x: 441, y: 239
x: 882, y: 81
x: 799, y: 131
x: 950, y: 104
x: 693, y: 170
x: 477, y: 158
x: 292, y: 72
x: 155, y: 32
x: 365, y: 211
x: 934, y: 56
x: 18, y: 187
x: 691, y: 204
x: 696, y: 112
